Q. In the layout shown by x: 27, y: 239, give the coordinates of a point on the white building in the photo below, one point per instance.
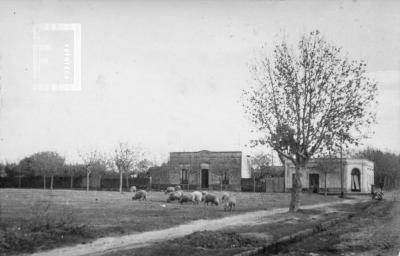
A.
x: 358, y: 176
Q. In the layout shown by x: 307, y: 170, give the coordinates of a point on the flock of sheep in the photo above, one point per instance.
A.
x: 176, y: 194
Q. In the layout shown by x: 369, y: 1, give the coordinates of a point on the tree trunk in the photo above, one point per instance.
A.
x: 296, y: 191
x: 51, y: 182
x: 325, y: 185
x: 120, y: 182
x: 87, y: 181
x: 127, y: 181
x: 44, y: 182
x: 72, y: 181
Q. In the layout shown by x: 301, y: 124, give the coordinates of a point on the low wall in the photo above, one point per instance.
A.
x: 37, y: 182
x: 96, y: 183
x: 269, y: 185
x: 215, y: 187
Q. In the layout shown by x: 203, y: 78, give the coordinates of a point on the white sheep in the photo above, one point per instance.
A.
x: 169, y: 190
x: 176, y: 195
x: 197, y: 196
x: 140, y: 195
x: 186, y: 198
x: 230, y: 203
x: 203, y: 193
x: 225, y: 196
x: 133, y: 189
x: 211, y: 198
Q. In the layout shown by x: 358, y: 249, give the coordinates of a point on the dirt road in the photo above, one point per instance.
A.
x: 109, y: 244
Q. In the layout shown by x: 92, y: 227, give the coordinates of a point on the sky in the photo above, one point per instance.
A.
x: 168, y: 75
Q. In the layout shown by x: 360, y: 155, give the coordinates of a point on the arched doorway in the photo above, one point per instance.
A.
x: 355, y: 180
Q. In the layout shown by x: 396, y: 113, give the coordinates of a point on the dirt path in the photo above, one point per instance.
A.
x: 372, y: 230
x: 109, y: 244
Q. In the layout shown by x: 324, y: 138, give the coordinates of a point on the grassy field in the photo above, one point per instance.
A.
x: 69, y: 217
x: 340, y: 238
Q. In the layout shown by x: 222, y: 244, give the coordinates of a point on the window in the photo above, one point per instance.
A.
x: 184, y: 176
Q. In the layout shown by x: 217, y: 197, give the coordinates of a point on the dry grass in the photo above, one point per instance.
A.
x: 111, y: 213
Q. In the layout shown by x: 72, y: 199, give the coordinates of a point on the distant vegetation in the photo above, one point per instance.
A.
x: 95, y: 164
x: 387, y: 167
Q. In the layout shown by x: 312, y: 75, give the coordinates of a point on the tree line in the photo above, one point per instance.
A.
x: 126, y: 160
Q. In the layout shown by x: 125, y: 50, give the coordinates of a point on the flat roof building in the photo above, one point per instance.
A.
x: 204, y: 170
x: 358, y: 175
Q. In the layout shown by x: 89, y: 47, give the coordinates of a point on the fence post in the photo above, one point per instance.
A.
x: 266, y: 185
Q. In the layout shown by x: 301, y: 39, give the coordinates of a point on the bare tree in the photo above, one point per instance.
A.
x: 95, y: 163
x: 126, y: 159
x: 257, y: 163
x: 47, y: 163
x: 302, y: 104
x: 222, y: 173
x: 260, y: 161
x: 74, y: 170
x: 326, y: 164
x: 143, y: 165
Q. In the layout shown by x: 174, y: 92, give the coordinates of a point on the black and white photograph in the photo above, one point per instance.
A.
x: 199, y: 127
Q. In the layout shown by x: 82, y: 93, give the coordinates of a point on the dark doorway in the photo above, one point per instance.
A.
x: 314, y: 183
x: 204, y: 178
x: 355, y: 180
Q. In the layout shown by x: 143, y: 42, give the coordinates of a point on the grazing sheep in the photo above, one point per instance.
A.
x: 178, y: 188
x: 169, y: 190
x: 140, y: 195
x: 186, y: 198
x: 176, y: 195
x: 225, y: 196
x: 133, y: 189
x: 197, y: 197
x: 211, y: 198
x: 230, y: 203
x: 203, y: 193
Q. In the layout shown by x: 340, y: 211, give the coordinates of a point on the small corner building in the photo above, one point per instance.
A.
x: 358, y: 176
x: 208, y: 170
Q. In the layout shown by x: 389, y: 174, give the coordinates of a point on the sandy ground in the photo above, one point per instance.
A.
x: 109, y: 244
